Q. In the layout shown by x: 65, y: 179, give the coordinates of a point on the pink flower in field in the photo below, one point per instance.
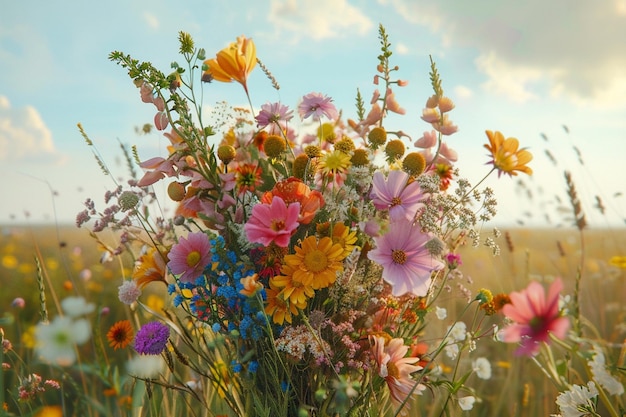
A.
x: 445, y: 126
x: 392, y: 103
x: 395, y: 195
x: 317, y: 105
x: 428, y: 140
x: 535, y: 316
x: 407, y: 263
x: 273, y: 113
x: 274, y: 222
x: 396, y: 368
x: 190, y: 256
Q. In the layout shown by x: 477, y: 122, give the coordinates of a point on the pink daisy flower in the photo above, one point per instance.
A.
x: 273, y: 113
x: 317, y: 105
x: 407, y: 263
x: 535, y: 316
x: 273, y: 222
x: 395, y: 195
x: 396, y: 368
x: 190, y: 256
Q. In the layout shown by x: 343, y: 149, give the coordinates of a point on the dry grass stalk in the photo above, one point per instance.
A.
x: 579, y: 215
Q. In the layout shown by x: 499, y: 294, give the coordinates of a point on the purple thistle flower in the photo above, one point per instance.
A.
x: 317, y: 105
x: 152, y: 338
x: 273, y: 113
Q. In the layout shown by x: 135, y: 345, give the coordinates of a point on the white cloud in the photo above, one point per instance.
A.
x: 572, y: 49
x: 321, y: 19
x: 461, y: 91
x: 402, y: 49
x: 151, y: 20
x: 23, y: 134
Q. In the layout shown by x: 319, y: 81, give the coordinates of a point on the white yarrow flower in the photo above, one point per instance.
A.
x: 482, y: 367
x: 458, y: 331
x: 77, y: 306
x: 145, y: 366
x: 576, y: 402
x: 56, y: 341
x: 602, y: 376
x: 441, y: 313
x: 452, y: 350
x: 467, y: 403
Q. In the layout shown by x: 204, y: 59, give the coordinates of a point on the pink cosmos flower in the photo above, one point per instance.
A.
x: 273, y: 222
x: 317, y: 105
x: 407, y: 263
x: 273, y: 113
x: 396, y: 368
x: 535, y: 316
x: 395, y: 195
x: 190, y: 256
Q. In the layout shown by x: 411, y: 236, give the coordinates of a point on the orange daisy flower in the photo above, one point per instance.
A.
x: 293, y: 291
x: 507, y: 157
x: 316, y: 263
x: 248, y: 177
x: 120, y: 334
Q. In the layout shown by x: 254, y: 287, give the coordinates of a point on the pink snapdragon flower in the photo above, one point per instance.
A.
x: 274, y: 222
x: 534, y: 317
x: 395, y: 195
x: 317, y: 105
x: 190, y: 256
x: 407, y: 263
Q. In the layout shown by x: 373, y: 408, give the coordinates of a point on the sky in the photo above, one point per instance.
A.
x: 550, y: 73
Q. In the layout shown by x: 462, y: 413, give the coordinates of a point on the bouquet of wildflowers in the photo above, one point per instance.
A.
x: 307, y: 252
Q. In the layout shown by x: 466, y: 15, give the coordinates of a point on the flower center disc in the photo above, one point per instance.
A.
x: 398, y: 256
x: 315, y: 261
x: 193, y: 258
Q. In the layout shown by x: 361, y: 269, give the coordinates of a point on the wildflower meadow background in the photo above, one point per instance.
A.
x: 272, y: 256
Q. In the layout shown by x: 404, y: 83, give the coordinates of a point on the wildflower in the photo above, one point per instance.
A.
x: 394, y: 194
x: 274, y: 146
x: 316, y: 263
x: 77, y: 306
x: 248, y: 178
x: 396, y: 368
x: 293, y: 291
x: 120, y: 334
x: 601, y: 375
x: 618, y: 261
x: 507, y: 158
x: 377, y: 137
x: 578, y: 400
x: 534, y: 317
x: 294, y: 190
x: 277, y: 307
x: 458, y: 331
x: 145, y: 366
x: 467, y: 403
x: 233, y: 63
x: 128, y: 292
x: 190, y: 256
x: 274, y: 222
x: 345, y: 237
x: 316, y: 105
x: 150, y: 267
x: 273, y: 113
x: 151, y: 338
x: 18, y: 303
x: 56, y: 341
x: 482, y: 367
x: 225, y: 153
x: 335, y: 162
x: 441, y: 313
x: 251, y: 285
x: 414, y: 164
x: 407, y: 263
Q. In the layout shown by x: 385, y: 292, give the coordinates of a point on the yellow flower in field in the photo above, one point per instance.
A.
x: 50, y: 411
x: 292, y: 291
x: 9, y: 262
x: 232, y: 63
x: 335, y: 162
x: 316, y: 263
x: 345, y: 237
x: 150, y: 267
x: 280, y: 309
x: 507, y: 157
x: 618, y: 261
x: 28, y: 338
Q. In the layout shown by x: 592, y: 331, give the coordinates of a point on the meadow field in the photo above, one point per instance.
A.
x: 70, y: 263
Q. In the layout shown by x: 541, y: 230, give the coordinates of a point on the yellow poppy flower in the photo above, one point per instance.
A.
x: 507, y: 157
x: 232, y: 63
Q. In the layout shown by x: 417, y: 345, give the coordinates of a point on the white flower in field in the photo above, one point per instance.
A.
x: 145, y: 366
x: 576, y: 402
x: 601, y: 375
x: 56, y: 341
x: 452, y: 350
x: 128, y: 292
x: 441, y: 313
x: 467, y: 403
x: 482, y: 367
x: 458, y: 331
x: 77, y: 306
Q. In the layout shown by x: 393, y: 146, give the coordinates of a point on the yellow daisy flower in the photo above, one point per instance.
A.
x: 316, y: 263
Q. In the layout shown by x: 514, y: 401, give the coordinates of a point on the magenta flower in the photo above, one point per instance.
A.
x: 317, y: 105
x: 407, y: 263
x: 190, y: 256
x: 151, y: 338
x: 395, y: 195
x: 535, y: 316
x: 273, y: 222
x: 273, y: 113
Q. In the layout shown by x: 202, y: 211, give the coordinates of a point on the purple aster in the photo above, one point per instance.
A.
x: 395, y: 195
x: 407, y: 263
x: 273, y: 113
x: 152, y: 338
x: 317, y: 105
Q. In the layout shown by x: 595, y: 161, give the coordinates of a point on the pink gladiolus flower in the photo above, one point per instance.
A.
x: 317, y: 105
x: 273, y: 222
x: 535, y: 316
x: 396, y: 368
x: 190, y: 256
x: 407, y: 263
x: 395, y: 195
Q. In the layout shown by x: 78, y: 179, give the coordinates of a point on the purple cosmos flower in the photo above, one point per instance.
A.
x: 152, y: 338
x: 395, y: 195
x: 190, y: 256
x: 317, y: 105
x: 407, y: 263
x: 273, y: 113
